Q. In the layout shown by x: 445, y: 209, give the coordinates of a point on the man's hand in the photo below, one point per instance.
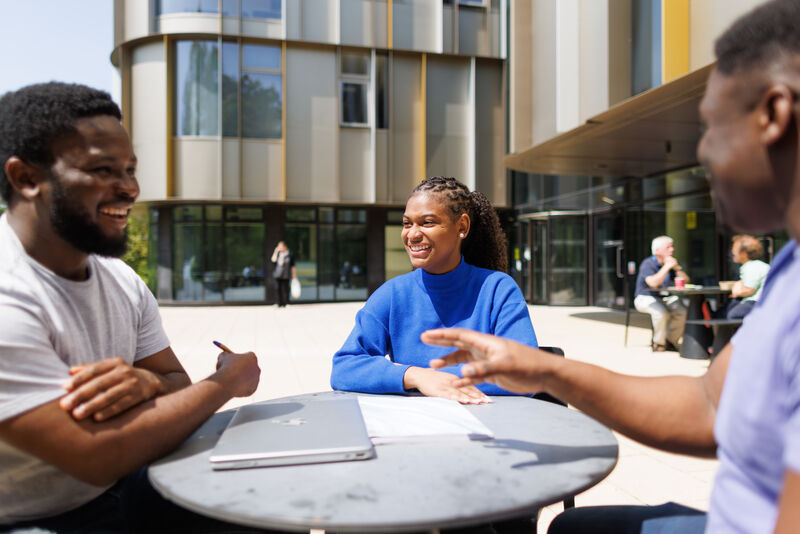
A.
x: 671, y: 263
x: 106, y: 388
x: 241, y: 371
x: 508, y: 364
x: 440, y: 384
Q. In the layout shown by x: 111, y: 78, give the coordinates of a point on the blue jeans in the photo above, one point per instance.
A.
x: 737, y: 309
x: 668, y: 518
x: 130, y: 506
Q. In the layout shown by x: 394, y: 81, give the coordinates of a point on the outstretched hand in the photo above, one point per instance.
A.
x: 489, y: 358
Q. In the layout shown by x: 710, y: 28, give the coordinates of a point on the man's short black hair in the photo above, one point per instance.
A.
x: 33, y: 117
x: 759, y: 37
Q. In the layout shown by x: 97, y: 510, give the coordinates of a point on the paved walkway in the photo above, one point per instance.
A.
x: 295, y: 345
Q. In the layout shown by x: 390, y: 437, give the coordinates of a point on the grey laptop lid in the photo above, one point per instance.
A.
x: 286, y: 433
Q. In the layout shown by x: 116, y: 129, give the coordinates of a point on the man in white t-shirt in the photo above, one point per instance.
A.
x: 90, y: 390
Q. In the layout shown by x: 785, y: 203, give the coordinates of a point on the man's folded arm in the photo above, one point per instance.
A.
x: 100, y: 453
x: 164, y: 365
x: 108, y: 387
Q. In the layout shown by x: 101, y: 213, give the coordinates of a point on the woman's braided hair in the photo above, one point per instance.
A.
x: 485, y: 245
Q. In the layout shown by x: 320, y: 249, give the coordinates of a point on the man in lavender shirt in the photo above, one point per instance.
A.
x: 746, y: 408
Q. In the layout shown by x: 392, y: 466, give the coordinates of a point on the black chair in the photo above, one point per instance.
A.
x: 569, y: 502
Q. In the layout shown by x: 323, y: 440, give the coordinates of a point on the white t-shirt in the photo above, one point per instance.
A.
x: 47, y: 325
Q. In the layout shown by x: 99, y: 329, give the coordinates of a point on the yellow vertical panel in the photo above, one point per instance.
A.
x: 389, y: 24
x: 675, y: 39
x: 423, y: 107
x: 283, y: 118
x: 170, y: 117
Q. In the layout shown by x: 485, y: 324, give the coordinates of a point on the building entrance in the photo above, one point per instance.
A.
x: 609, y: 252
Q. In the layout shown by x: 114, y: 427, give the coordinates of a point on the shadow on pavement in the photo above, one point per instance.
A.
x: 638, y: 320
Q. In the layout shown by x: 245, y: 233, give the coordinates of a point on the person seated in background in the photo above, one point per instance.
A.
x: 667, y: 313
x: 455, y: 243
x: 747, y: 251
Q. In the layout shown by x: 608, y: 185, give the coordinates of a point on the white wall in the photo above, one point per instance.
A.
x: 708, y: 19
x: 262, y: 164
x: 407, y: 126
x: 312, y: 125
x: 197, y: 168
x: 448, y: 112
x: 149, y: 118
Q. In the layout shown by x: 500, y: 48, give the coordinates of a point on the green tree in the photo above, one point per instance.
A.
x: 138, y: 247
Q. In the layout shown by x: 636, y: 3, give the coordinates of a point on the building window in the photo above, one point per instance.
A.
x: 261, y: 92
x: 164, y: 7
x: 251, y: 95
x: 197, y: 85
x: 354, y: 80
x: 645, y: 46
x: 230, y: 89
x: 252, y: 9
x: 261, y: 9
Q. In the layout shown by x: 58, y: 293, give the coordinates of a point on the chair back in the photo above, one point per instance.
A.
x: 546, y: 396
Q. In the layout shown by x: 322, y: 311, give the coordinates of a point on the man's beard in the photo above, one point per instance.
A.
x: 72, y: 222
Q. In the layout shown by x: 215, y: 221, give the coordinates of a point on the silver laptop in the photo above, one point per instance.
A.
x: 289, y: 433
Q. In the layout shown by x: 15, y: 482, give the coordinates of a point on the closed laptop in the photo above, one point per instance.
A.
x: 295, y: 432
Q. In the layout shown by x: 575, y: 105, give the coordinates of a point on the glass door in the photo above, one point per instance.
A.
x: 609, y: 271
x: 536, y: 253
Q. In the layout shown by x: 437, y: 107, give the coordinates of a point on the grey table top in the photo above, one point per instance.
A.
x: 541, y: 454
x: 704, y: 290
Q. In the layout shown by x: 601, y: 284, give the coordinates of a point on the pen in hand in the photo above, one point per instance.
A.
x: 222, y: 346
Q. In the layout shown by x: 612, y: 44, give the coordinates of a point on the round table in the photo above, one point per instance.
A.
x: 541, y: 454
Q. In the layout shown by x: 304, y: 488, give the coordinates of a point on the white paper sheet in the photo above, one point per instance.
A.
x: 393, y: 418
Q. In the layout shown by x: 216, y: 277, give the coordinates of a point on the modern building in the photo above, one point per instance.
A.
x: 308, y: 121
x: 603, y: 131
x: 311, y: 121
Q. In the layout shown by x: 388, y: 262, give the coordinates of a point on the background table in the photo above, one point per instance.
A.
x: 696, y: 336
x: 541, y: 454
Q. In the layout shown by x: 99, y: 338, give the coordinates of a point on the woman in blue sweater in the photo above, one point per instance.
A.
x: 455, y: 243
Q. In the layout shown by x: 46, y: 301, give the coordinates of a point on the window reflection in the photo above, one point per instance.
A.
x: 261, y: 9
x: 219, y: 252
x: 261, y: 105
x: 255, y: 9
x: 351, y: 240
x: 256, y: 88
x: 197, y: 85
x: 164, y: 7
x: 568, y: 260
x: 187, y: 261
x: 301, y: 238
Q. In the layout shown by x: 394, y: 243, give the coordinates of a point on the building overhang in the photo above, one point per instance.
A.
x: 650, y: 133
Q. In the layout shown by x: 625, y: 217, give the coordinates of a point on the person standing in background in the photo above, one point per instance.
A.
x: 283, y: 272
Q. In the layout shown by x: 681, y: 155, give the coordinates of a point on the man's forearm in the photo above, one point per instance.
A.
x: 102, y: 452
x: 171, y: 382
x: 672, y: 413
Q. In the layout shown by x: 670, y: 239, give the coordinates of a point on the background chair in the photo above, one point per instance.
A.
x: 569, y: 502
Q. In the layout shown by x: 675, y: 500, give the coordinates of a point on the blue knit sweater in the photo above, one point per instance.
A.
x: 393, y: 318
